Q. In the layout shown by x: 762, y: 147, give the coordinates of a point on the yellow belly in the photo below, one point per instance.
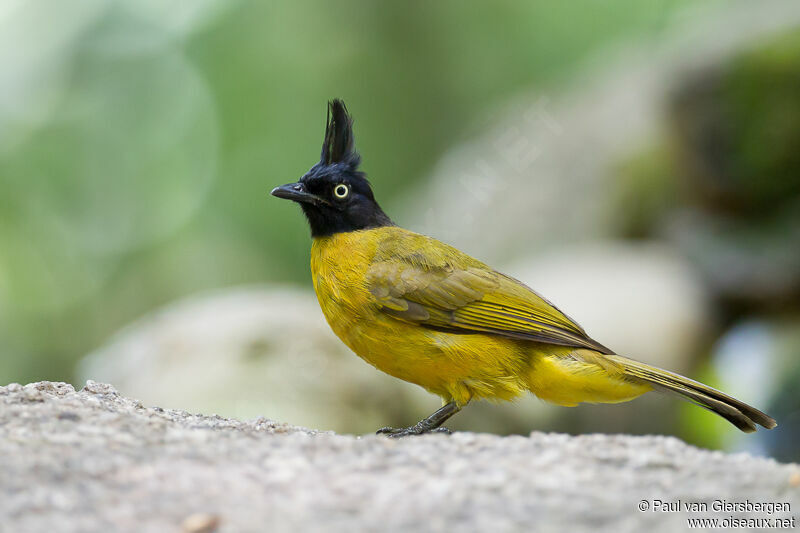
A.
x: 454, y: 366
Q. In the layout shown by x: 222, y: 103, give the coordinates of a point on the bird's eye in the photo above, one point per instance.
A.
x: 341, y: 191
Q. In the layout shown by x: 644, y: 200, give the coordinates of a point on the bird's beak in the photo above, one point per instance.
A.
x: 297, y: 193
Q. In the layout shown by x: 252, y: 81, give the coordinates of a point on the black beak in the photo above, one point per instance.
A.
x: 297, y: 193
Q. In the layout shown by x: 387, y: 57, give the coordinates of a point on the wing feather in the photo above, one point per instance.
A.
x: 445, y: 289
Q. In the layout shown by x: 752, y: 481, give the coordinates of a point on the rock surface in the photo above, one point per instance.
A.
x: 93, y: 460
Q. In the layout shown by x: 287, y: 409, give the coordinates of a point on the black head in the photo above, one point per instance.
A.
x: 334, y: 195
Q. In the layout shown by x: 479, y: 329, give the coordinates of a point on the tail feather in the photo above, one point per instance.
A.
x: 741, y: 415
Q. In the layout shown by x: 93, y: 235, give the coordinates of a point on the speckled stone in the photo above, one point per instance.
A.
x: 92, y: 460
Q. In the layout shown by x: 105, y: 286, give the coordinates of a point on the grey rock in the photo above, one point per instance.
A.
x: 92, y: 460
x: 242, y: 351
x: 640, y: 299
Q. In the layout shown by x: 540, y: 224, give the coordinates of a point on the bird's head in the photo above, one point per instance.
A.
x: 334, y: 195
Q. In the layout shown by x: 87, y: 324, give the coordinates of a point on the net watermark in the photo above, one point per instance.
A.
x: 755, y: 514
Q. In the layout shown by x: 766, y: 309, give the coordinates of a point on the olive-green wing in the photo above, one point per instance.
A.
x: 438, y: 286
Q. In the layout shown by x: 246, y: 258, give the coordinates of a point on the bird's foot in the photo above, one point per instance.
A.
x: 396, y: 433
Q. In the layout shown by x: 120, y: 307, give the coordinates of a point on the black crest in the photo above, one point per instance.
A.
x: 334, y: 195
x: 338, y: 144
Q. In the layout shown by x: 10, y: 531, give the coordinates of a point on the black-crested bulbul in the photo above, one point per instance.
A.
x: 429, y: 314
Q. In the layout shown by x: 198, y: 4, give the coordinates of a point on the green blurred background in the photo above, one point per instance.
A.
x: 139, y: 140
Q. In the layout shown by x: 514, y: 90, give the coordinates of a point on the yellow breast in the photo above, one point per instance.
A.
x: 452, y: 366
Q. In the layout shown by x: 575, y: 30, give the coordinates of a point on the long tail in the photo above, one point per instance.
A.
x: 734, y: 411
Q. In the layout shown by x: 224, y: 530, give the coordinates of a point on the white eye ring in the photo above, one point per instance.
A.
x: 341, y: 191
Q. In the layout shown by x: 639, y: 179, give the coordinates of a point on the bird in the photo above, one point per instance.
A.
x: 427, y: 313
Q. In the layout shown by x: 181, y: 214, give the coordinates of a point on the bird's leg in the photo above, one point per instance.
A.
x: 426, y: 425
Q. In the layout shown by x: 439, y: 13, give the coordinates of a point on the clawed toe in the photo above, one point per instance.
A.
x: 431, y: 424
x: 397, y: 433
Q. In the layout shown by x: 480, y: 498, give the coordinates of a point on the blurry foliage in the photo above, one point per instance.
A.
x: 730, y: 144
x: 724, y: 181
x: 138, y: 140
x: 736, y: 129
x: 645, y: 189
x: 761, y: 94
x: 723, y: 186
